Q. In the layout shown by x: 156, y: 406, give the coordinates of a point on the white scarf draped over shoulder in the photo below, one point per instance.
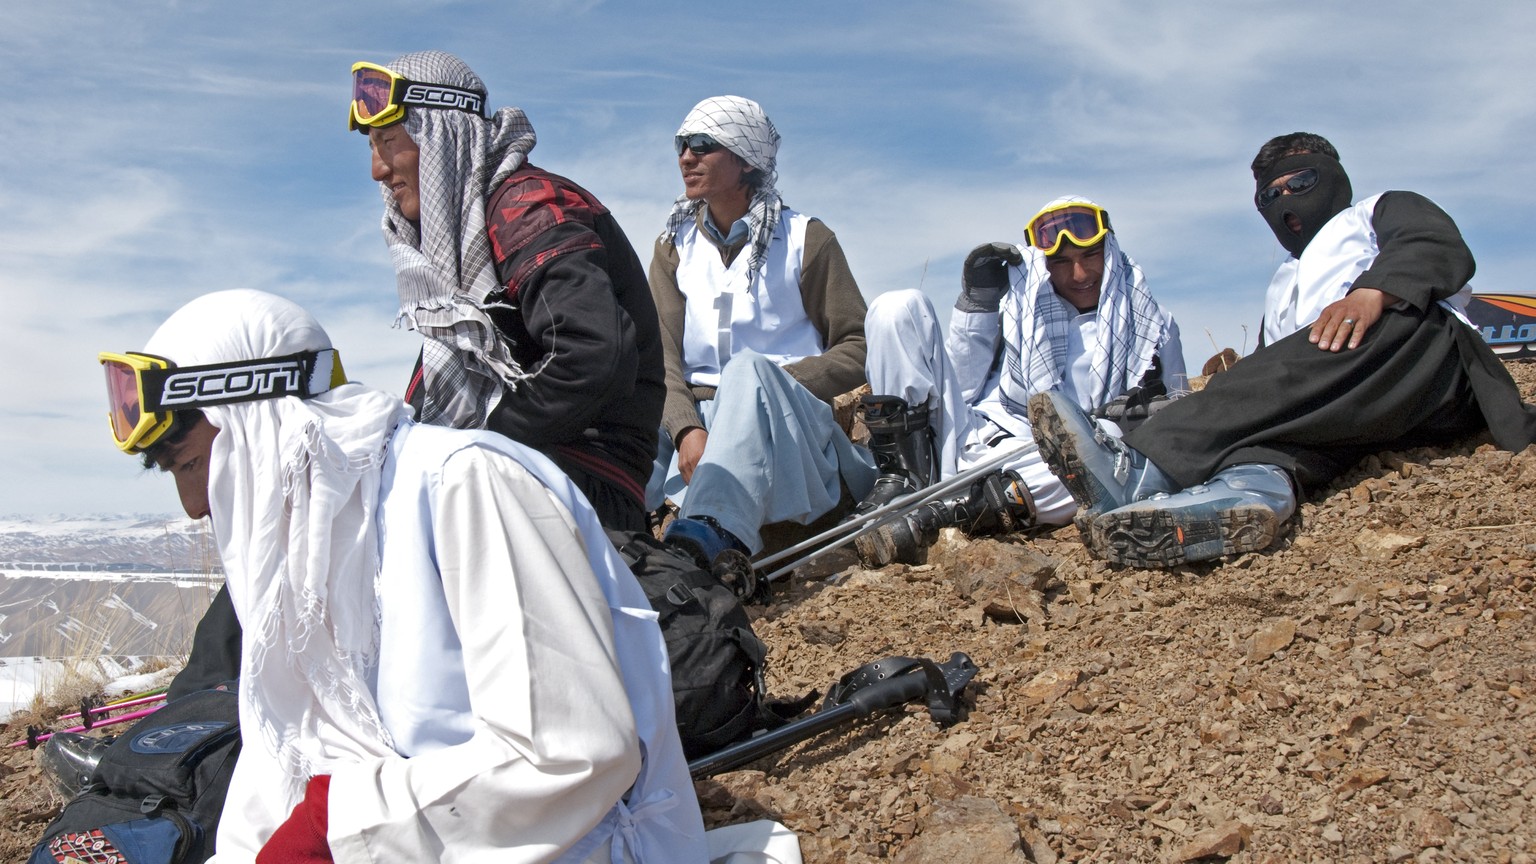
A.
x: 292, y: 487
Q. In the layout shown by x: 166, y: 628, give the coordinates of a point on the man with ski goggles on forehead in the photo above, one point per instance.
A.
x: 1068, y: 311
x: 153, y: 412
x: 444, y: 657
x: 537, y: 319
x: 1364, y: 348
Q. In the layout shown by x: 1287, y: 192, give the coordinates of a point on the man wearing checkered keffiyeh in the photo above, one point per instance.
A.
x: 1021, y: 334
x: 537, y: 318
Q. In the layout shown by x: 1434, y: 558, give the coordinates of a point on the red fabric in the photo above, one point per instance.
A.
x: 301, y: 839
x: 526, y: 205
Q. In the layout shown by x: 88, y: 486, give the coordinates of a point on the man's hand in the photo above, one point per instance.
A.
x: 984, y: 278
x: 690, y: 449
x: 1348, y: 320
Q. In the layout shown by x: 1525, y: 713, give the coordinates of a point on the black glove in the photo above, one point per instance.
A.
x: 1132, y: 408
x: 984, y: 278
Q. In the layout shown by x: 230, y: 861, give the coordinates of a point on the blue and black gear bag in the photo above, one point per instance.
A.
x: 156, y: 795
x: 717, y: 661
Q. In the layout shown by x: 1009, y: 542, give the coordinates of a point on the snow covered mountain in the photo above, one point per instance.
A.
x: 73, y: 588
x: 146, y: 544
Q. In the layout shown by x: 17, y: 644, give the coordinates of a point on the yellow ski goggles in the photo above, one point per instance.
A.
x: 380, y: 97
x: 144, y: 392
x: 1083, y: 224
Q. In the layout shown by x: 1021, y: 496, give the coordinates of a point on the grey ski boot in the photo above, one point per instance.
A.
x: 996, y: 503
x: 71, y: 758
x: 1102, y: 472
x: 1242, y: 509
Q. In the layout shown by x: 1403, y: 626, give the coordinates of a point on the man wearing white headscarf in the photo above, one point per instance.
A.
x: 763, y: 327
x: 537, y: 318
x: 444, y: 658
x: 1067, y: 311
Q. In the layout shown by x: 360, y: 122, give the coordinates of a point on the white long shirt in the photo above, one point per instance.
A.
x: 509, y: 631
x: 973, y: 343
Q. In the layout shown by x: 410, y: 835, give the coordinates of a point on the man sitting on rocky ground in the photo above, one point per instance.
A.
x: 763, y: 328
x: 1365, y: 348
x: 444, y: 658
x: 1068, y: 310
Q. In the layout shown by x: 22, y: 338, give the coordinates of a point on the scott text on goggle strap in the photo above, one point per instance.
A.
x: 443, y: 97
x: 279, y: 378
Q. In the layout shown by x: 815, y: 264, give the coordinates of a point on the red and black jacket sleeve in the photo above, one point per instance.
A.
x: 562, y: 320
x: 577, y: 314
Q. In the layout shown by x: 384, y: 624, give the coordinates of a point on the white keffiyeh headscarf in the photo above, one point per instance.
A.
x: 292, y: 487
x: 1036, y: 319
x: 742, y: 128
x: 444, y: 267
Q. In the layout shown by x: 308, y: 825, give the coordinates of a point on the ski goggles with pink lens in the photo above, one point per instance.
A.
x: 380, y: 97
x: 144, y: 392
x: 1084, y: 224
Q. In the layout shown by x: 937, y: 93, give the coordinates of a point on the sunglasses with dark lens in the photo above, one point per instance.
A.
x: 698, y: 144
x: 1296, y: 184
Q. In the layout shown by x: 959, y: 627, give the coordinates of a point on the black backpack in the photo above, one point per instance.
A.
x: 717, y: 661
x: 156, y: 795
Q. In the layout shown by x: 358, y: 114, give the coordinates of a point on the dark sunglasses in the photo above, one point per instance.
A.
x: 698, y: 144
x: 1296, y: 184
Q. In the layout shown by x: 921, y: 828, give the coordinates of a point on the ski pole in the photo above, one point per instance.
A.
x: 33, y: 740
x: 870, y: 688
x: 866, y: 522
x: 114, y: 706
x: 911, y: 499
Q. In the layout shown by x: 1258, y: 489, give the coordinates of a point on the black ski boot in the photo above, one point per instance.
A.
x: 70, y: 758
x: 995, y: 504
x: 902, y: 441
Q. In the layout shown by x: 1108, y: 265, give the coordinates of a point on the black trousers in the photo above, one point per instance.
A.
x: 1417, y: 379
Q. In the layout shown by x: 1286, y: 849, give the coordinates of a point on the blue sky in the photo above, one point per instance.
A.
x: 157, y: 150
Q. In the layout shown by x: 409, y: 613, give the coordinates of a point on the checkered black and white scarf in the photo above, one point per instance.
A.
x: 444, y: 268
x: 742, y: 127
x: 1036, y: 320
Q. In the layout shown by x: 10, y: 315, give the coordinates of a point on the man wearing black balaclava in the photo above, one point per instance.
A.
x: 1365, y: 348
x: 1349, y: 262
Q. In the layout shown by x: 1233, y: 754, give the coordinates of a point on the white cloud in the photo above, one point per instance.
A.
x: 177, y: 148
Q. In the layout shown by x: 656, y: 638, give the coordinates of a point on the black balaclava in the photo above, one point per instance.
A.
x: 1313, y: 207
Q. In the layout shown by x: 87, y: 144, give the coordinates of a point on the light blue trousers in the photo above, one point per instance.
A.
x: 774, y: 454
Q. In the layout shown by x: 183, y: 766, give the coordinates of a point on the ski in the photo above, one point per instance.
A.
x: 870, y: 688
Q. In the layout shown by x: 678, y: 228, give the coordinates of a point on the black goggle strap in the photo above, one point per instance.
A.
x: 305, y: 374
x: 410, y: 93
